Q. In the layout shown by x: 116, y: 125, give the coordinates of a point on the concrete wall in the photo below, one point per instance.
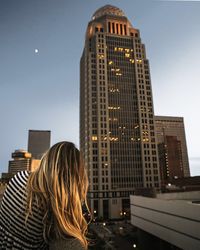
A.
x: 174, y: 221
x: 193, y: 195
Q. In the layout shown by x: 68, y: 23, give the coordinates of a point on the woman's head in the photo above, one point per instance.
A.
x: 60, y: 186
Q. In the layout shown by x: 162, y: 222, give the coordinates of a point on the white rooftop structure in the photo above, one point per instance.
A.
x: 174, y: 218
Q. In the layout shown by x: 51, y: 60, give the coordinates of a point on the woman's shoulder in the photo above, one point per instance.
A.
x: 69, y: 243
x: 18, y: 182
x: 20, y: 177
x: 24, y: 174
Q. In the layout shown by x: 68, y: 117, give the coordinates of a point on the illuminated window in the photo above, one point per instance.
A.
x: 113, y: 138
x: 111, y: 107
x: 101, y: 56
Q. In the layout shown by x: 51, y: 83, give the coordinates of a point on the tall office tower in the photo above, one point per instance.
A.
x: 38, y: 142
x: 172, y: 148
x: 117, y: 135
x: 21, y: 161
x: 170, y: 159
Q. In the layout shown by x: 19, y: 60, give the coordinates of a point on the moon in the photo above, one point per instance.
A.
x: 36, y: 51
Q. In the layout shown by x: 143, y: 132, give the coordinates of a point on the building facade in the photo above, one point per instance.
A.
x: 117, y: 131
x: 170, y: 159
x: 169, y: 221
x: 21, y: 161
x: 38, y: 142
x: 172, y: 148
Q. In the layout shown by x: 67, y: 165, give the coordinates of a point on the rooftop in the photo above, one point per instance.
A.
x: 108, y: 10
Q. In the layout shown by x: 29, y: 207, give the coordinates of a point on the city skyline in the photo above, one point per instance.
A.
x: 39, y: 82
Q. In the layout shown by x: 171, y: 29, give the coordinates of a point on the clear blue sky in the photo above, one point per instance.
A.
x: 41, y: 90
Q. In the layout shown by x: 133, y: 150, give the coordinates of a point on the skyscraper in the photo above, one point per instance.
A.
x: 38, y: 142
x: 172, y: 148
x: 117, y: 132
x: 170, y: 160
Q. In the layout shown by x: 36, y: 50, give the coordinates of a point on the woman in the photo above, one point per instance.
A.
x: 43, y: 209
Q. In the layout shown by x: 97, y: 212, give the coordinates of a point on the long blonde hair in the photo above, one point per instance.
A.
x: 60, y: 186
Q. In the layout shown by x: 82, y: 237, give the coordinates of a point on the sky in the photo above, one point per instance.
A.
x: 41, y: 90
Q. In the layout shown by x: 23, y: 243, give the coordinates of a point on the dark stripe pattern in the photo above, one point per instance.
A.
x: 14, y: 232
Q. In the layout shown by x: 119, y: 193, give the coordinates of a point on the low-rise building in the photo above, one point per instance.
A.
x: 21, y: 161
x: 170, y: 219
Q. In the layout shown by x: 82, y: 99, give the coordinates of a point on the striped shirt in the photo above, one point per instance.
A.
x: 14, y: 232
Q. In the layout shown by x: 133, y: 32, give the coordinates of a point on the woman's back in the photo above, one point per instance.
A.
x: 14, y: 233
x: 47, y: 203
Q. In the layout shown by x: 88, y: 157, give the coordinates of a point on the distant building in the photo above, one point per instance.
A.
x: 183, y: 184
x: 21, y: 161
x: 38, y: 142
x: 34, y: 164
x: 2, y: 189
x: 117, y: 130
x: 5, y: 178
x: 170, y: 158
x: 169, y: 221
x: 172, y: 148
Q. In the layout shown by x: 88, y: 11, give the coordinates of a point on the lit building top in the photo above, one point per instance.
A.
x: 20, y: 153
x: 108, y: 10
